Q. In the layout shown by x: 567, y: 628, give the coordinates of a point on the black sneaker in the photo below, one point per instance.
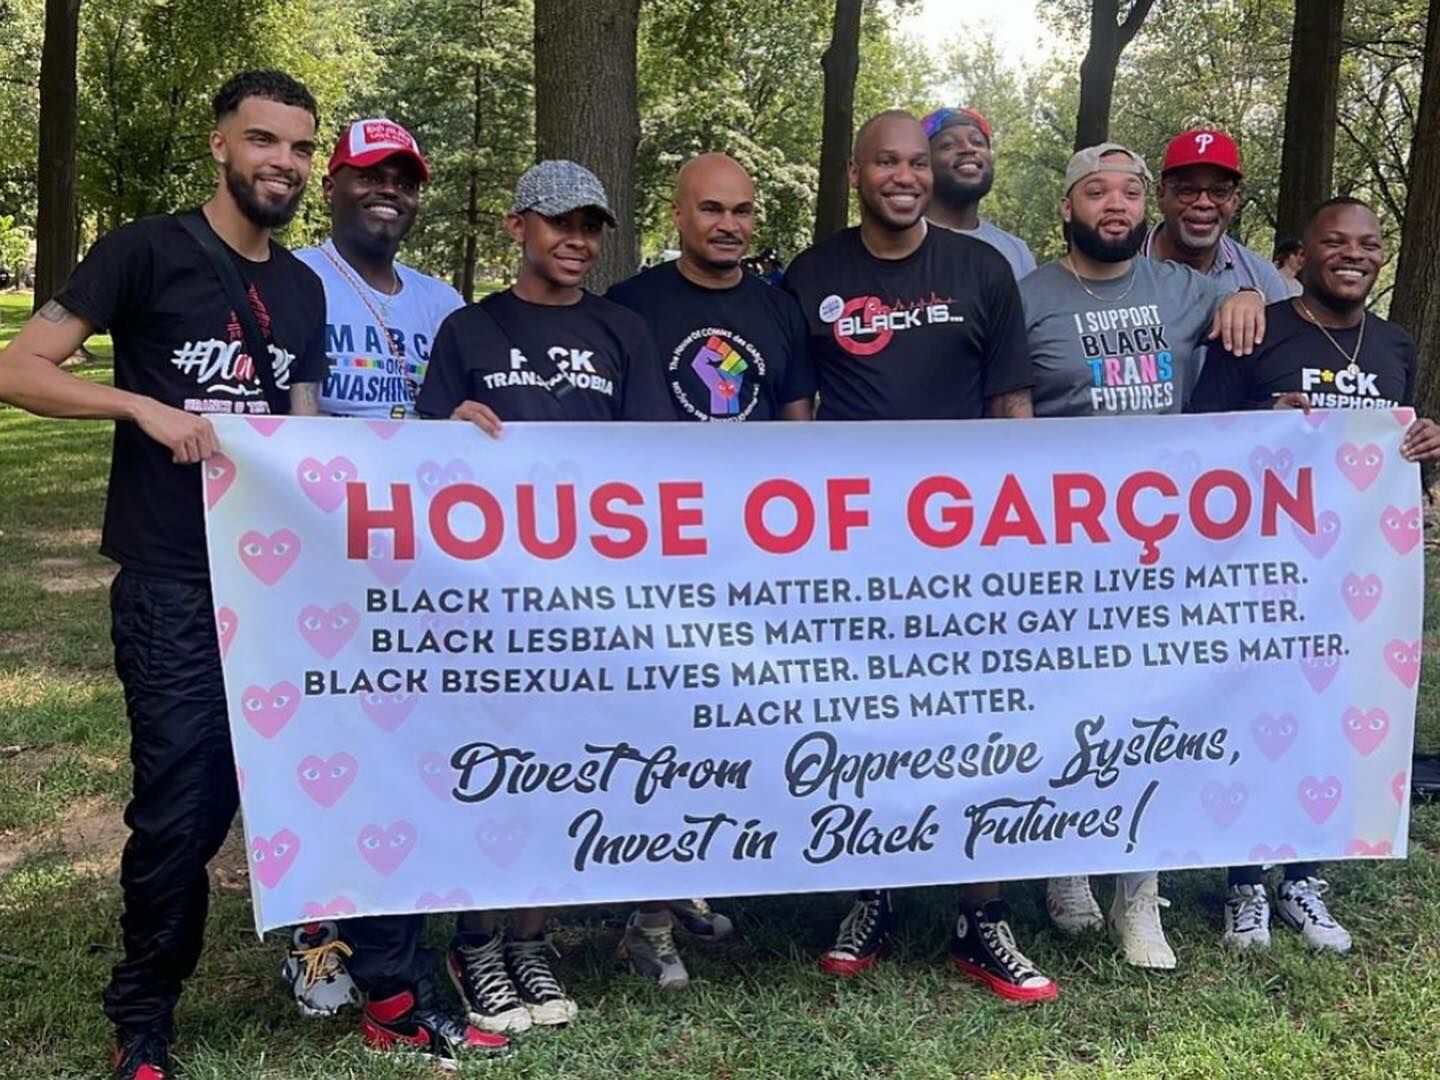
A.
x: 985, y: 950
x: 528, y: 962
x: 863, y: 935
x: 141, y: 1055
x: 478, y: 972
x: 697, y: 917
x: 399, y: 1025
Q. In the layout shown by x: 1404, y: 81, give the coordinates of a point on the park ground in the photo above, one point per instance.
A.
x: 758, y: 1007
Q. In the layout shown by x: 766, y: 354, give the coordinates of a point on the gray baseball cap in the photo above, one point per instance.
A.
x: 553, y: 188
x: 1089, y: 161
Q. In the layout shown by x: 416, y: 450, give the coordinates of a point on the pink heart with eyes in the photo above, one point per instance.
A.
x: 269, y: 710
x: 1222, y: 803
x: 269, y: 557
x: 1264, y: 853
x: 454, y: 900
x: 226, y: 623
x: 1320, y: 671
x: 1320, y: 798
x: 326, y: 779
x: 323, y: 482
x: 1185, y: 464
x: 1404, y: 416
x: 327, y: 632
x: 386, y: 429
x: 544, y: 896
x: 432, y: 476
x: 389, y: 711
x: 332, y: 909
x: 502, y: 840
x: 1365, y: 730
x: 1361, y: 847
x: 386, y: 848
x: 1263, y: 459
x: 1360, y: 464
x: 219, y: 472
x: 1403, y: 660
x: 436, y: 774
x: 1361, y: 595
x: 1274, y: 734
x: 271, y: 857
x: 265, y: 425
x: 1402, y: 528
x: 1400, y: 786
x: 1327, y: 532
x: 382, y: 563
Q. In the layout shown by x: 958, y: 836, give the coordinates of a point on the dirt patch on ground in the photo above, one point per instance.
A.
x: 71, y: 575
x: 64, y: 538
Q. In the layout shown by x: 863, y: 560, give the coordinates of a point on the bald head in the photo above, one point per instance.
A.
x: 714, y: 214
x: 893, y: 127
x: 890, y: 170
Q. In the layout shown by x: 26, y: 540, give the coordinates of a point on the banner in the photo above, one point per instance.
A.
x: 596, y: 663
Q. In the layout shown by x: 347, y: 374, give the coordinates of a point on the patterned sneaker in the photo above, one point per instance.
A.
x: 315, y: 970
x: 1247, y: 918
x: 399, y: 1025
x: 985, y: 950
x: 1301, y: 907
x: 1072, y: 905
x: 1135, y: 923
x: 478, y: 972
x: 529, y: 966
x: 863, y: 935
x: 649, y: 945
x: 697, y: 918
x: 141, y: 1055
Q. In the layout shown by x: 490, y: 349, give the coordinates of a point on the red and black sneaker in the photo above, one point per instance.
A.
x: 985, y: 950
x: 141, y: 1055
x: 398, y: 1025
x: 863, y: 935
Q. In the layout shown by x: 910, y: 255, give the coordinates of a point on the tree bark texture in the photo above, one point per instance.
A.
x: 1307, y: 161
x: 1109, y: 34
x: 56, y: 233
x: 841, y: 65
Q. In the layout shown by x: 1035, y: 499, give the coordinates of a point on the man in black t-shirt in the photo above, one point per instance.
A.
x: 909, y: 322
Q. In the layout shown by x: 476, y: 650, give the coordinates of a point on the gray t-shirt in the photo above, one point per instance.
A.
x: 1236, y: 267
x: 1138, y: 353
x: 1016, y: 251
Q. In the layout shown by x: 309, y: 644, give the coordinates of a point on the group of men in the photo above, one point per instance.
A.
x: 925, y: 310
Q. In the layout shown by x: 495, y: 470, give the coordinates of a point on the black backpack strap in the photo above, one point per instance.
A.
x: 551, y: 376
x: 239, y: 300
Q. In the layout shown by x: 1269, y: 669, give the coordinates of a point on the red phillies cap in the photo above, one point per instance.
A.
x: 1204, y: 146
x: 369, y: 142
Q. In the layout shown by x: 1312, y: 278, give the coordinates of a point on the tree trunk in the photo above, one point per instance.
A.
x: 1416, y: 304
x: 1108, y: 37
x: 56, y: 235
x: 472, y: 201
x: 841, y: 64
x: 1307, y: 162
x: 586, y: 109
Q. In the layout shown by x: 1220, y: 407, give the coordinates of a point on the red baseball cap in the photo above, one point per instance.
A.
x: 369, y: 142
x: 1203, y: 146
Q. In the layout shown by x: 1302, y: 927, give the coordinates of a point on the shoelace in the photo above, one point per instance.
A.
x: 532, y: 970
x: 1248, y: 912
x: 485, y: 967
x: 1073, y: 894
x: 1001, y: 940
x: 661, y: 939
x: 1307, y: 894
x: 322, y: 961
x: 452, y: 1030
x: 857, y: 926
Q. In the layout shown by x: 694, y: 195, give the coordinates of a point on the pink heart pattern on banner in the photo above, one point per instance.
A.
x: 226, y: 623
x: 269, y: 557
x: 269, y: 710
x: 389, y: 711
x: 389, y: 570
x: 432, y: 476
x: 1274, y: 734
x: 1400, y: 786
x: 265, y: 425
x: 1264, y: 853
x: 1361, y: 847
x: 385, y: 429
x: 1320, y: 798
x: 1263, y: 459
x: 502, y: 840
x: 1365, y: 730
x: 454, y: 900
x: 331, y: 909
x: 271, y: 857
x: 1403, y: 660
x: 1325, y: 536
x: 219, y: 475
x: 436, y: 774
x: 1401, y: 528
x: 1320, y: 671
x: 323, y: 482
x: 1222, y: 803
x: 386, y: 848
x: 1404, y: 416
x: 1360, y: 464
x: 1361, y: 595
x: 326, y: 779
x: 327, y: 632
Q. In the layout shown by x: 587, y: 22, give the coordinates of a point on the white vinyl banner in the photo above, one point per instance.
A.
x: 590, y: 663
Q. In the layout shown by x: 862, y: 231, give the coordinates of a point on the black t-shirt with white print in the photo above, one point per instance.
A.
x: 177, y: 340
x: 1296, y: 356
x: 592, y: 360
x: 930, y: 336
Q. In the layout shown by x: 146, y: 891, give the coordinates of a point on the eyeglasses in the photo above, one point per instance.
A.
x: 1219, y: 193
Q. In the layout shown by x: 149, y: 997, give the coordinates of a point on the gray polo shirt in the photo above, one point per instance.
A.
x: 1016, y: 251
x: 1236, y: 267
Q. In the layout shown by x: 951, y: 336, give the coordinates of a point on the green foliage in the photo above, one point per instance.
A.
x: 21, y: 32
x: 15, y: 243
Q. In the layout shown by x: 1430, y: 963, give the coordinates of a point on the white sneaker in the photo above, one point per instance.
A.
x: 315, y: 970
x: 1072, y: 905
x: 649, y: 945
x: 528, y: 961
x: 1135, y: 923
x: 1247, y: 918
x: 1300, y: 906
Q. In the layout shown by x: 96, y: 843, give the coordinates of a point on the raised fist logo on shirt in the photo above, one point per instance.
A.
x: 722, y: 370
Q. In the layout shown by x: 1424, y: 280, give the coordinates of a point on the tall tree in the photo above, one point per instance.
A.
x: 1109, y: 34
x: 1416, y: 305
x: 841, y: 64
x: 1307, y: 162
x: 586, y: 108
x: 55, y: 216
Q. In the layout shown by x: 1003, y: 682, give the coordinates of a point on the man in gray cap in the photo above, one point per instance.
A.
x: 543, y: 349
x: 1113, y: 334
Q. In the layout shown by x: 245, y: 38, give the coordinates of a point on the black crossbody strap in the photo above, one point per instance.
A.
x: 239, y: 300
x: 549, y: 372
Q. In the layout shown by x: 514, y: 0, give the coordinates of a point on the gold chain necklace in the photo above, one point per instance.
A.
x: 1352, y: 359
x: 1070, y: 265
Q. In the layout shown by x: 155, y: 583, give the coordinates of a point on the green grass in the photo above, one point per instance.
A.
x: 15, y: 309
x: 758, y: 1008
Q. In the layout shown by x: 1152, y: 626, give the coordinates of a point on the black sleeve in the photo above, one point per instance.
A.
x: 445, y: 385
x: 113, y: 280
x: 644, y: 395
x: 800, y: 384
x: 1007, y: 348
x: 313, y: 363
x: 1224, y: 384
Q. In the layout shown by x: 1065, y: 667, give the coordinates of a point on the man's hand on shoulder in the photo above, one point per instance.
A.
x: 1239, y: 322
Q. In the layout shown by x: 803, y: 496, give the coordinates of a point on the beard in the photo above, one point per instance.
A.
x: 882, y: 215
x: 956, y: 192
x: 1095, y: 246
x: 258, y: 212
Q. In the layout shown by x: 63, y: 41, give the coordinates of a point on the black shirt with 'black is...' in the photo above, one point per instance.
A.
x: 177, y: 340
x: 931, y: 336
